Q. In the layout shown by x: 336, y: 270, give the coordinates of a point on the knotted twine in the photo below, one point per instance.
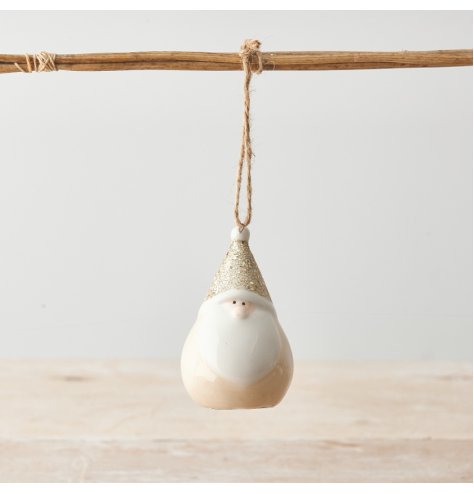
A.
x: 42, y: 62
x: 249, y: 52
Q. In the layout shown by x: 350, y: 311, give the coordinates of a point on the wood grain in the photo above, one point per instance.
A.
x: 272, y: 61
x: 132, y: 421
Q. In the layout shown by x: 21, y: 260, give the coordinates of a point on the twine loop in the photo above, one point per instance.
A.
x: 39, y: 62
x: 249, y: 51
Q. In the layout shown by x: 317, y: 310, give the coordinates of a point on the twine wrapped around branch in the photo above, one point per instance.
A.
x: 40, y: 62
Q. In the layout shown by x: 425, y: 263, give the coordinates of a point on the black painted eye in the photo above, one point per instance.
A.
x: 243, y: 303
x: 234, y: 302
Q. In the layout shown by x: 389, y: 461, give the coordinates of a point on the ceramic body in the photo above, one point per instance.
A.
x: 236, y: 354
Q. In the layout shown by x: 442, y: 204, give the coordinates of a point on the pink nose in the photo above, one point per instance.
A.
x: 240, y: 311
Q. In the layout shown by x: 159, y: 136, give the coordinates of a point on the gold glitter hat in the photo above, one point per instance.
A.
x: 238, y: 269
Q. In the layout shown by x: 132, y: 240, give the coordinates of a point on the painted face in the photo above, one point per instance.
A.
x: 238, y: 337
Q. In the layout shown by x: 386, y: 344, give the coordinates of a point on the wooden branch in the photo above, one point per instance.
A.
x: 303, y: 60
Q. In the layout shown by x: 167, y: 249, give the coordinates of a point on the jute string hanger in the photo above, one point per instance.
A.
x: 252, y: 63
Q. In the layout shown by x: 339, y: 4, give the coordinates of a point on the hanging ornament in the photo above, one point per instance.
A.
x: 236, y: 354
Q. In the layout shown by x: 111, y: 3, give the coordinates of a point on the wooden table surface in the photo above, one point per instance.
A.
x: 131, y: 421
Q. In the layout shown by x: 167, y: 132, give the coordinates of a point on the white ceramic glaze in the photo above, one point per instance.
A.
x: 238, y: 234
x: 237, y: 356
x: 238, y: 336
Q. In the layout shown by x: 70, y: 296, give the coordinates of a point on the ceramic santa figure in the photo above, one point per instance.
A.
x: 236, y: 354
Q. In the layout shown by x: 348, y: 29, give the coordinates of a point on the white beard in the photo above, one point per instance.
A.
x: 240, y: 350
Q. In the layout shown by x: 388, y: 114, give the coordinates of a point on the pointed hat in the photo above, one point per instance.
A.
x: 238, y: 269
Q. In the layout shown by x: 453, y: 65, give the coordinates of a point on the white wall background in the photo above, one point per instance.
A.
x: 116, y: 189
